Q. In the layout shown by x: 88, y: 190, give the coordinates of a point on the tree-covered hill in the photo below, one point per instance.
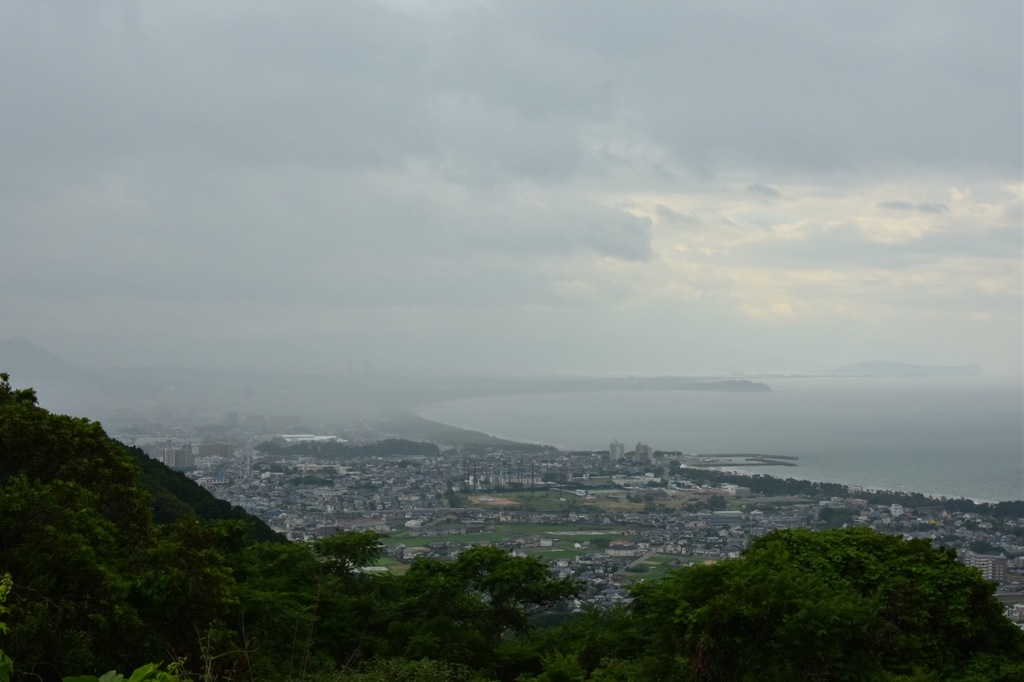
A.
x: 47, y: 447
x: 83, y: 521
x: 340, y: 450
x: 174, y: 495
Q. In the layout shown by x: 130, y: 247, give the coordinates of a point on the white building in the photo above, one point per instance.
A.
x: 733, y: 490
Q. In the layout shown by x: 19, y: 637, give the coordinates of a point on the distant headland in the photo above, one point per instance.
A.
x: 633, y: 383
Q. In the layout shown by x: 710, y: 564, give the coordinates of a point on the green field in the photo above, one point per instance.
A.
x: 563, y: 536
x: 603, y: 500
x: 407, y: 539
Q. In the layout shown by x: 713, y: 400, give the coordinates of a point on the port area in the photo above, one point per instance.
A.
x: 745, y: 459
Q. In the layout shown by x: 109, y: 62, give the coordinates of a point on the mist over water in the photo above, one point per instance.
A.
x: 956, y: 437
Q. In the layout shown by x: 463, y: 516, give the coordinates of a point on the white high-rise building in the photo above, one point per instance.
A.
x: 616, y: 450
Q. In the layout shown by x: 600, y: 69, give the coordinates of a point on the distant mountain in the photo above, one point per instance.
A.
x: 30, y: 363
x: 902, y: 369
x: 657, y: 383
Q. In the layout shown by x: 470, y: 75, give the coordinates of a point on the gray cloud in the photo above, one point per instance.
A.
x: 496, y: 181
x: 675, y: 218
x: 844, y: 249
x: 763, y: 191
x: 362, y: 84
x: 908, y: 206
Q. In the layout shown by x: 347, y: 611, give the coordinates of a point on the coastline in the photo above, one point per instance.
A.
x: 409, y: 424
x: 945, y: 437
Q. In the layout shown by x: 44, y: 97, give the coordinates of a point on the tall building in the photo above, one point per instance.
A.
x: 179, y: 458
x: 616, y: 450
x: 642, y: 453
x: 992, y: 567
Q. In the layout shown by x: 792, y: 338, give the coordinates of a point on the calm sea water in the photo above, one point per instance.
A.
x: 958, y: 437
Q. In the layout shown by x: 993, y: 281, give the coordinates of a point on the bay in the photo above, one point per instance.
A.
x: 953, y: 437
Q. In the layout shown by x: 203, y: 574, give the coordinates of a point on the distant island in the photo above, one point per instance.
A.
x: 632, y: 383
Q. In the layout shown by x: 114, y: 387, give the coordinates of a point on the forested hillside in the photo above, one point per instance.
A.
x: 173, y: 495
x: 116, y: 562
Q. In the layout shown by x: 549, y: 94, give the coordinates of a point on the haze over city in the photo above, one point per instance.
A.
x: 513, y: 188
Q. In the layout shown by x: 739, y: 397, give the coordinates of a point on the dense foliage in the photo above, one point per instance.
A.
x: 850, y: 604
x: 173, y: 495
x: 116, y: 563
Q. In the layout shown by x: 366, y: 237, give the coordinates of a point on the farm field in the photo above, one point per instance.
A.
x: 611, y: 500
x: 563, y: 537
x: 560, y: 534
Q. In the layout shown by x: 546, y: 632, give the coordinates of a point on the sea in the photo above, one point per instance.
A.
x: 941, y: 436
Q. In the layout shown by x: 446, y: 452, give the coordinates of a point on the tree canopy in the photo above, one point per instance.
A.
x: 849, y: 604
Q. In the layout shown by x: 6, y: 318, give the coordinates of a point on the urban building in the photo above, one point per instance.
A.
x: 642, y: 454
x: 992, y: 567
x: 179, y: 458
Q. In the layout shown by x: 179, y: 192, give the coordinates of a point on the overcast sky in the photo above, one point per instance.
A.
x: 538, y: 187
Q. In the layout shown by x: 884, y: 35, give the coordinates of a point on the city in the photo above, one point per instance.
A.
x: 607, y: 518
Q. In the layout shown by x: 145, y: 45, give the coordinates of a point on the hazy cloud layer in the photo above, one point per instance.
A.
x: 908, y: 206
x: 528, y: 186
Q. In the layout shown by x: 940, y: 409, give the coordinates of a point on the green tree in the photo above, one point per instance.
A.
x: 72, y: 586
x: 185, y: 592
x: 716, y: 503
x: 403, y: 670
x: 460, y: 610
x: 277, y: 586
x: 846, y: 604
x: 46, y: 447
x: 96, y: 584
x: 350, y: 608
x: 513, y: 588
x: 983, y: 546
x: 343, y: 554
x: 6, y: 664
x: 836, y: 518
x: 604, y: 643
